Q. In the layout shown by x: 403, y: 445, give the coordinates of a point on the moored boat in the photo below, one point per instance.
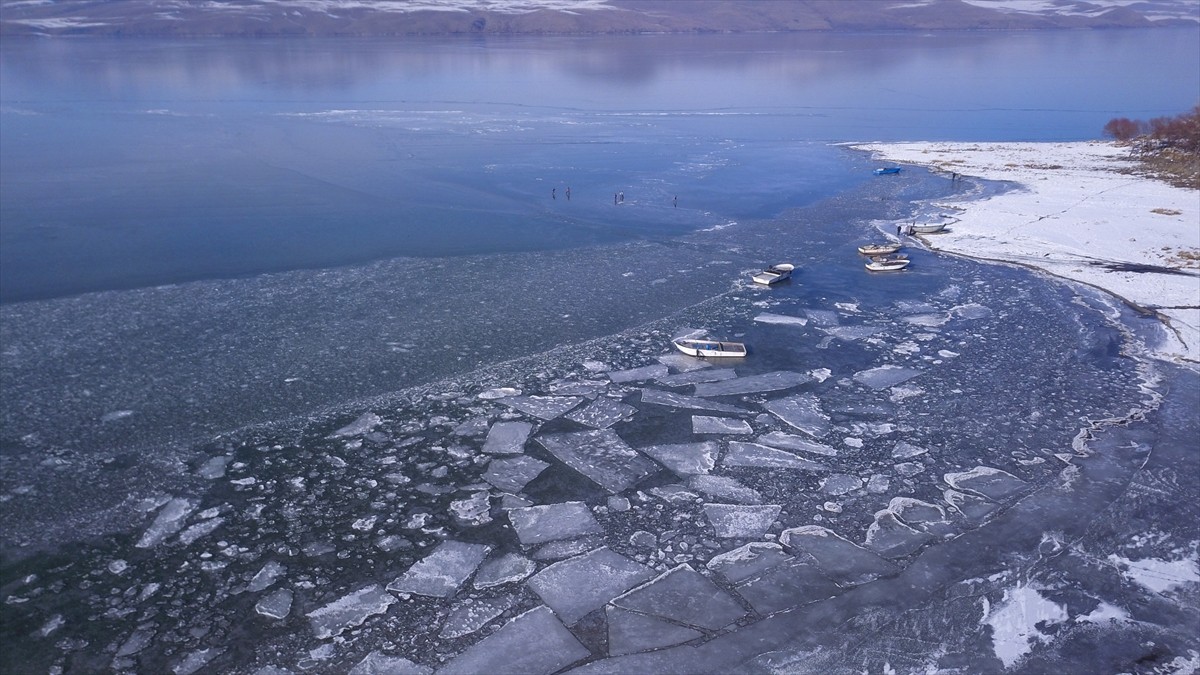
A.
x: 774, y: 274
x: 883, y: 171
x: 705, y: 348
x: 927, y: 228
x: 879, y: 249
x: 887, y: 265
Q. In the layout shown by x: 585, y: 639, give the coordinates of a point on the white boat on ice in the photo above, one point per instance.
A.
x: 926, y: 228
x: 706, y: 348
x: 887, y: 264
x: 774, y: 274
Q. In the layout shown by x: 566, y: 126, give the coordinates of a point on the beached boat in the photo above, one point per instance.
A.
x: 774, y: 274
x: 883, y: 171
x: 709, y: 347
x: 889, y: 265
x: 879, y: 249
x: 926, y: 228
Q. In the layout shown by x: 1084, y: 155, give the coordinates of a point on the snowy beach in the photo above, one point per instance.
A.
x: 1076, y: 214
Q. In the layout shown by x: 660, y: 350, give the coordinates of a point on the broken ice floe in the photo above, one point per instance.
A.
x: 684, y: 459
x: 506, y: 569
x: 577, y: 387
x: 803, y: 412
x: 507, y: 438
x: 822, y: 317
x: 512, y: 474
x: 703, y: 424
x: 724, y: 488
x: 441, y: 573
x: 630, y: 632
x: 266, y: 576
x: 542, y: 407
x: 365, y: 423
x: 843, y: 561
x: 971, y: 310
x: 747, y: 561
x: 196, y: 660
x: 600, y: 455
x: 904, y: 450
x: 169, y: 521
x: 499, y: 392
x: 601, y: 413
x: 849, y: 333
x: 780, y: 319
x: 927, y: 320
x: 568, y: 548
x: 683, y: 363
x: 753, y: 384
x: 986, y: 481
x: 214, y: 468
x: 791, y: 584
x: 472, y: 511
x: 697, y: 376
x: 578, y: 586
x: 551, y: 522
x: 349, y: 611
x: 885, y: 376
x: 778, y: 439
x: 736, y: 521
x: 465, y: 618
x: 755, y: 455
x: 840, y: 484
x: 510, y: 648
x: 276, y: 604
x: 1015, y: 622
x: 684, y: 596
x: 1158, y: 575
x: 891, y: 538
x: 377, y: 663
x: 673, y: 400
x: 972, y: 507
x: 651, y: 372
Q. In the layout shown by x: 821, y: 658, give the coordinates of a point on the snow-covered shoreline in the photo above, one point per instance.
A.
x: 1076, y: 216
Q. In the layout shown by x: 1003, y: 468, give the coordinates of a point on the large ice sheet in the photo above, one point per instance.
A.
x: 734, y: 521
x: 377, y: 663
x: 841, y: 560
x: 542, y: 407
x: 441, y: 573
x: 986, y: 481
x: 748, y: 561
x: 630, y: 632
x: 465, y: 619
x: 577, y: 586
x: 753, y: 384
x: 704, y: 424
x: 507, y: 438
x: 724, y: 488
x: 698, y: 376
x: 651, y: 372
x: 685, y: 459
x: 778, y: 439
x: 601, y: 413
x: 534, y: 643
x: 891, y: 538
x: 349, y: 611
x: 512, y: 474
x: 551, y: 522
x: 803, y: 412
x: 506, y: 569
x: 673, y: 400
x: 781, y: 319
x: 785, y: 586
x: 885, y: 376
x: 600, y: 455
x: 685, y: 596
x: 741, y: 453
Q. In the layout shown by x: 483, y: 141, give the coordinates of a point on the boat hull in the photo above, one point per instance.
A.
x: 887, y: 266
x: 710, y: 348
x: 774, y: 274
x: 879, y: 249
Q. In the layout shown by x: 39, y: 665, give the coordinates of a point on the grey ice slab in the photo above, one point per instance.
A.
x: 748, y: 561
x: 849, y: 333
x: 904, y: 450
x: 349, y: 611
x: 577, y: 387
x: 885, y: 376
x: 685, y: 459
x: 753, y: 384
x: 785, y: 586
x: 685, y: 596
x: 567, y: 548
x: 761, y: 456
x: 822, y: 317
x: 803, y: 412
x: 698, y: 376
x: 781, y: 319
x: 512, y: 474
x: 673, y: 400
x: 724, y: 488
x: 600, y: 455
x: 986, y: 481
x: 778, y: 439
x: 276, y: 604
x: 551, y: 522
x: 683, y: 363
x: 734, y: 521
x: 266, y: 576
x: 168, y: 521
x: 441, y: 573
x: 840, y: 483
x: 365, y: 423
x: 378, y: 663
x: 630, y: 632
x: 534, y: 643
x: 651, y: 372
x: 507, y: 438
x: 577, y: 586
x: 972, y: 507
x: 704, y: 424
x: 891, y: 538
x: 843, y: 561
x: 465, y: 619
x: 601, y: 413
x: 542, y: 407
x: 506, y: 569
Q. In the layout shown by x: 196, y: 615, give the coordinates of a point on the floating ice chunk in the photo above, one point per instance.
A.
x: 703, y: 424
x: 542, y: 407
x: 365, y: 423
x: 1015, y: 621
x: 472, y: 427
x: 840, y: 484
x: 947, y: 354
x: 1160, y: 576
x: 780, y: 319
x: 577, y: 387
x: 600, y: 455
x: 753, y: 384
x: 849, y: 333
x: 214, y: 468
x: 905, y: 392
x: 191, y: 534
x: 349, y: 611
x: 499, y: 392
x: 792, y: 584
x: 472, y: 511
x: 268, y: 575
x: 878, y: 484
x: 885, y: 376
x: 698, y: 376
x: 683, y: 363
x: 196, y: 660
x: 909, y: 469
x: 534, y: 643
x: 506, y: 569
x: 580, y: 585
x: 843, y: 561
x: 465, y: 619
x: 674, y: 494
x: 822, y: 317
x: 747, y: 561
x: 970, y: 506
x: 673, y: 400
x: 916, y: 512
x: 539, y: 524
x: 987, y: 481
x: 139, y: 640
x: 168, y: 522
x: 377, y: 663
x: 507, y: 438
x: 903, y: 450
x: 512, y: 474
x: 569, y: 548
x: 685, y: 459
x: 685, y: 596
x: 651, y: 372
x: 803, y: 412
x: 630, y: 632
x: 441, y: 573
x: 928, y: 320
x: 724, y: 488
x: 116, y: 415
x: 753, y: 454
x: 52, y: 624
x: 734, y: 521
x: 972, y: 310
x: 821, y: 374
x: 1104, y: 612
x: 601, y: 413
x: 891, y: 538
x: 778, y: 439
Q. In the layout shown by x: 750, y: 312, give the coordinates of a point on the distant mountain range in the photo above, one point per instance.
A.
x: 185, y: 18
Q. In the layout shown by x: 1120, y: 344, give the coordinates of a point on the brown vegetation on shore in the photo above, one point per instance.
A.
x: 1167, y: 148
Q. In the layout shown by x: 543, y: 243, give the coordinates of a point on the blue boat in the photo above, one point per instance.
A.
x: 886, y: 170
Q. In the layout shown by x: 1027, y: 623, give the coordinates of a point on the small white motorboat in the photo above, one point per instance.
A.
x: 704, y: 348
x: 887, y: 264
x: 879, y: 249
x: 927, y: 228
x: 774, y: 274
